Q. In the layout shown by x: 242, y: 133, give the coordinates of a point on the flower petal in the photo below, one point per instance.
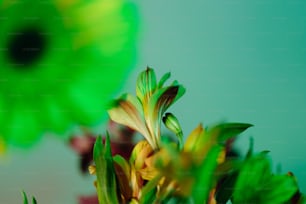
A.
x: 146, y: 85
x: 23, y: 127
x: 160, y: 101
x: 164, y: 78
x: 193, y: 138
x: 123, y: 173
x: 141, y: 151
x: 57, y: 115
x: 127, y: 111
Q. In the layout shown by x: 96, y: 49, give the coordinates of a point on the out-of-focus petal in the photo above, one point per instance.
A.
x: 140, y: 152
x: 193, y: 138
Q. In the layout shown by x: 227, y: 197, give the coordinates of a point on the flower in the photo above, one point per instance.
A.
x: 187, y: 170
x: 61, y: 61
x: 134, y: 173
x: 197, y: 171
x: 171, y: 168
x: 144, y: 112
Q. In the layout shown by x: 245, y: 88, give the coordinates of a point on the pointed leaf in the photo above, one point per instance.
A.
x: 204, y: 176
x: 34, y: 200
x: 25, y: 198
x: 250, y: 150
x: 225, y: 188
x: 106, y: 181
x: 148, y: 192
x: 225, y: 131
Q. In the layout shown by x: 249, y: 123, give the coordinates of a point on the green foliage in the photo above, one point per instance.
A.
x: 257, y: 184
x: 205, y: 176
x: 106, y: 180
x: 226, y: 131
x: 199, y: 171
x: 25, y: 199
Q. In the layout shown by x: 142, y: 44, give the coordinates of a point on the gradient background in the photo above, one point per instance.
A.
x: 240, y: 61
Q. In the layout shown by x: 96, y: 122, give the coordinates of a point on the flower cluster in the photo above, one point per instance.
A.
x: 199, y: 170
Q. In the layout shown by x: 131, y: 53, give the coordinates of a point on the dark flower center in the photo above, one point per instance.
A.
x: 26, y: 47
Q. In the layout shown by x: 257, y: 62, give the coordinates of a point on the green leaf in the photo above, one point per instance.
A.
x: 282, y: 189
x: 257, y: 184
x: 180, y: 200
x: 148, y: 192
x: 226, y: 131
x: 25, y: 198
x: 205, y: 176
x: 251, y: 147
x: 106, y: 179
x: 225, y: 188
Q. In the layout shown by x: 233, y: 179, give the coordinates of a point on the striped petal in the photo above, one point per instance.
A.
x: 146, y: 85
x: 160, y: 101
x: 127, y: 111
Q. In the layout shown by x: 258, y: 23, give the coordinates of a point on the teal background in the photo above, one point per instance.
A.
x: 240, y: 61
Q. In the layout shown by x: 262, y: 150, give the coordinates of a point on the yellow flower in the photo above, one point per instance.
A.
x: 198, y: 144
x: 182, y: 172
x: 133, y: 174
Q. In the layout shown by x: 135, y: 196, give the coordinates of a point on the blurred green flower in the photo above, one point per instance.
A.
x: 61, y: 61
